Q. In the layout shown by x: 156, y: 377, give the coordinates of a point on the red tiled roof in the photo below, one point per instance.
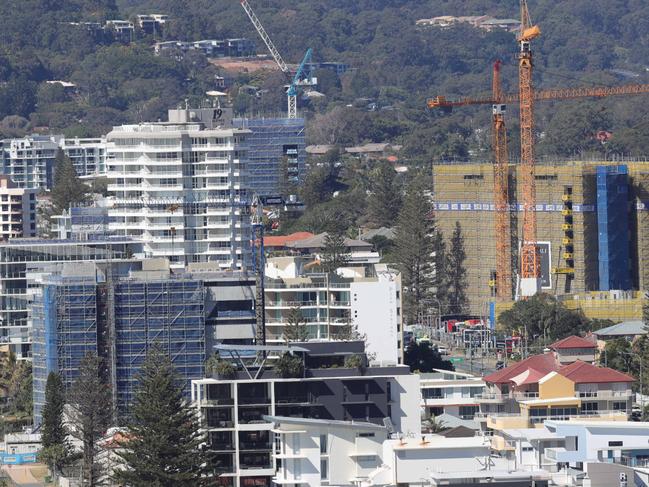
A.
x: 282, y: 240
x: 584, y: 373
x: 572, y: 342
x: 543, y: 364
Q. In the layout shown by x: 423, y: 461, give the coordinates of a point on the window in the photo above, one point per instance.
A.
x: 619, y: 406
x: 474, y: 176
x: 324, y: 469
x: 615, y: 443
x: 468, y: 412
x: 366, y: 435
x: 432, y: 393
x: 323, y: 444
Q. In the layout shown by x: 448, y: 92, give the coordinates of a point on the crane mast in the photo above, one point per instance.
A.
x: 264, y: 36
x: 530, y: 259
x: 503, y: 281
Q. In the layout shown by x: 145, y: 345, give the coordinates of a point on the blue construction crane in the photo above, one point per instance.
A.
x: 298, y: 80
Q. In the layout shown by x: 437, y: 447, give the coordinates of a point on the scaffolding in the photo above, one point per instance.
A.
x: 463, y: 192
x: 276, y: 153
x: 120, y: 320
x: 168, y: 314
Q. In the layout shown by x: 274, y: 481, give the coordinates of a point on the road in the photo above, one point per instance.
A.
x: 461, y: 359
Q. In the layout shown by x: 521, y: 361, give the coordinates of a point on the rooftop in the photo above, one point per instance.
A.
x: 544, y: 364
x: 623, y: 329
x: 581, y: 372
x: 573, y: 342
x: 318, y: 241
x: 282, y: 240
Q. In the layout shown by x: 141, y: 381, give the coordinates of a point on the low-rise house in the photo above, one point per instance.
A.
x: 19, y: 448
x: 540, y: 387
x: 373, y: 150
x: 574, y: 348
x: 626, y: 329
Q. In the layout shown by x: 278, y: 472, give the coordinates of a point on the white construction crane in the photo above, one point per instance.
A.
x: 297, y: 79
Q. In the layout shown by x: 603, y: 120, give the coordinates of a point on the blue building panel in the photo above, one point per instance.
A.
x: 613, y: 227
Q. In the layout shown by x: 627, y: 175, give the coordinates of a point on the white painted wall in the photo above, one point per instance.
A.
x: 406, y: 400
x: 376, y: 311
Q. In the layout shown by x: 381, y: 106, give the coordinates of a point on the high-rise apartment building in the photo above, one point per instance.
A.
x: 276, y: 154
x: 17, y: 210
x: 118, y: 314
x: 181, y: 187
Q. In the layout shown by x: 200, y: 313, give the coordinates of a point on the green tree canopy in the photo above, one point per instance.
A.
x: 423, y: 358
x: 542, y: 317
x: 91, y: 413
x: 295, y: 329
x: 414, y: 248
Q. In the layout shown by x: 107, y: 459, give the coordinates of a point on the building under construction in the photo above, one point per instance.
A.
x: 276, y: 154
x: 119, y: 315
x: 593, y: 225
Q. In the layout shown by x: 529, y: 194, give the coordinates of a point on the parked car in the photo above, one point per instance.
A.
x: 442, y: 350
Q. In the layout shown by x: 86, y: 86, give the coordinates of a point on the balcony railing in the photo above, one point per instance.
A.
x: 606, y: 394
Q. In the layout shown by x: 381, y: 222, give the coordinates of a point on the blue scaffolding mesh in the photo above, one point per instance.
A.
x: 613, y: 227
x: 70, y: 321
x: 276, y: 150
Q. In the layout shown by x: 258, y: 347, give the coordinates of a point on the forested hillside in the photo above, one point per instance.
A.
x: 395, y: 64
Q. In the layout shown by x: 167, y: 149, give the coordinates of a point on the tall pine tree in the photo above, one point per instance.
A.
x: 384, y: 201
x: 457, y: 281
x: 163, y: 445
x: 68, y: 189
x: 295, y: 329
x: 54, y: 435
x: 91, y: 413
x: 414, y: 249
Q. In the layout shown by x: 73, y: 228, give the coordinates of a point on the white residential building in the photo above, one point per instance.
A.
x: 367, y: 297
x: 17, y: 210
x: 87, y: 155
x: 320, y: 452
x: 317, y: 452
x: 453, y: 393
x: 30, y: 161
x: 181, y: 187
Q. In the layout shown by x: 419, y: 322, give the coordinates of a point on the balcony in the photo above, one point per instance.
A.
x: 255, y: 445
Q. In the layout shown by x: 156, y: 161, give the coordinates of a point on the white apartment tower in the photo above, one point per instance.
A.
x: 181, y: 187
